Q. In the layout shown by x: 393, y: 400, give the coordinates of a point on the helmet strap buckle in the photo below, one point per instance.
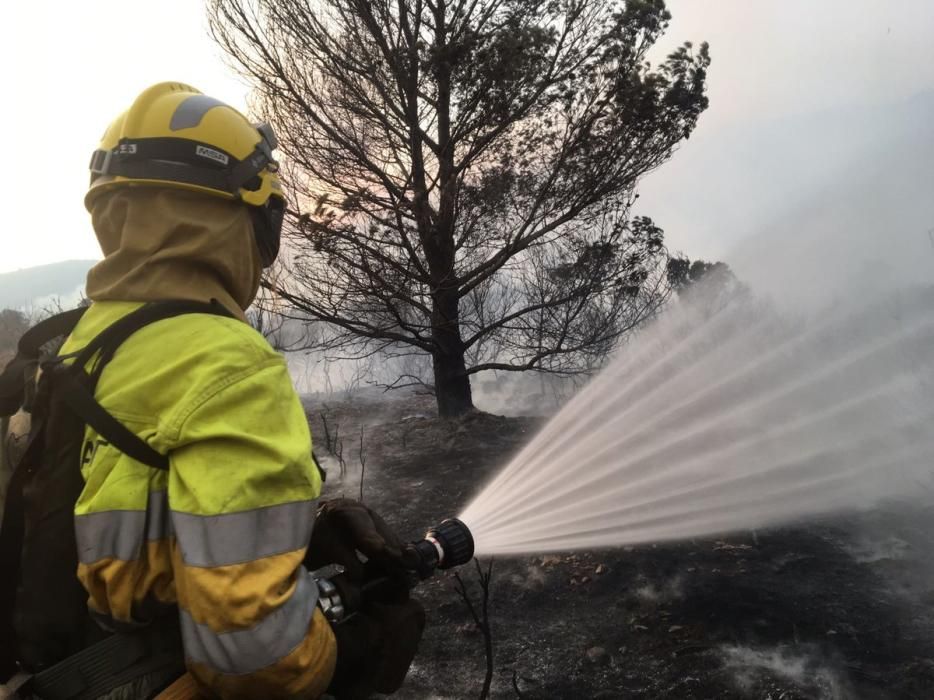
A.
x: 100, y: 162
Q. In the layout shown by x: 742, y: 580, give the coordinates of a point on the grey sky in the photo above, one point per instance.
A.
x: 774, y: 59
x: 70, y: 68
x: 815, y: 160
x: 783, y: 74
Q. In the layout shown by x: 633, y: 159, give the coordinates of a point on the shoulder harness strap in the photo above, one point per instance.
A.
x: 78, y: 384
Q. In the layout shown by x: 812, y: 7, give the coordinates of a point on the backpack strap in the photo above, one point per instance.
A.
x: 79, y: 396
x: 48, y: 329
x: 78, y: 384
x: 113, y: 336
x: 17, y: 371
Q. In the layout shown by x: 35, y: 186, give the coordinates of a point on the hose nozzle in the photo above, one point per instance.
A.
x: 445, y: 546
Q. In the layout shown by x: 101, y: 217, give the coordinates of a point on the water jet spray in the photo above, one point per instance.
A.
x: 738, y: 418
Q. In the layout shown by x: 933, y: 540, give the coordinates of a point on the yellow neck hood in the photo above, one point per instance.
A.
x: 163, y: 244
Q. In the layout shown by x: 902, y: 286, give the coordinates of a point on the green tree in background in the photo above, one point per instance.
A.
x: 461, y: 172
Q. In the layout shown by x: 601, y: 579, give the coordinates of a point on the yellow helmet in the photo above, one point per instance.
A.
x: 175, y: 136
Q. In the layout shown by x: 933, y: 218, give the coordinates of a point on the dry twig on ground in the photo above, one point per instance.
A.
x: 333, y: 444
x: 481, y: 617
x: 361, y: 455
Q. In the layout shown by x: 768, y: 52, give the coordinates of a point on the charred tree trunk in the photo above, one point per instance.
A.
x: 452, y: 384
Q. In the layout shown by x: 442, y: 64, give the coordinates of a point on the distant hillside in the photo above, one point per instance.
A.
x: 34, y: 285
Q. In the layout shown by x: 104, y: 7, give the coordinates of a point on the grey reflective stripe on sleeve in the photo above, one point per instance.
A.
x: 120, y: 534
x: 236, y: 538
x: 268, y: 641
x: 191, y: 111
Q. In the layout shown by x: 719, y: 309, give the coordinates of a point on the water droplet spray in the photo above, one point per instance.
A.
x: 719, y: 420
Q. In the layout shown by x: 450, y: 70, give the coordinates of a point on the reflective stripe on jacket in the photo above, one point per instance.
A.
x: 223, y: 533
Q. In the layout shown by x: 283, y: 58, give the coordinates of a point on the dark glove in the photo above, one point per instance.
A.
x: 375, y: 649
x: 377, y: 642
x: 344, y: 527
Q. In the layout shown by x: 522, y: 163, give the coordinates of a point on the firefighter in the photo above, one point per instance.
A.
x: 187, y: 205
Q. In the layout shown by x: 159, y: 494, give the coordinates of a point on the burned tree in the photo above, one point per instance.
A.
x: 461, y: 172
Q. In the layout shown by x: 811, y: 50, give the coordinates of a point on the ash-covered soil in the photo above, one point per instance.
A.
x: 839, y: 607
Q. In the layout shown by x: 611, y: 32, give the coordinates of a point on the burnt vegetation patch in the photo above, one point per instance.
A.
x: 834, y: 608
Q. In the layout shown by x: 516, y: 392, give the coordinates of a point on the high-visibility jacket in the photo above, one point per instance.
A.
x: 221, y: 534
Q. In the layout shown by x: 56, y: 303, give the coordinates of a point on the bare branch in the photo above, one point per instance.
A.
x: 461, y: 173
x: 481, y: 616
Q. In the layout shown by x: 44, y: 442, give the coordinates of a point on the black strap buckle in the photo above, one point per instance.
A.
x: 100, y: 162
